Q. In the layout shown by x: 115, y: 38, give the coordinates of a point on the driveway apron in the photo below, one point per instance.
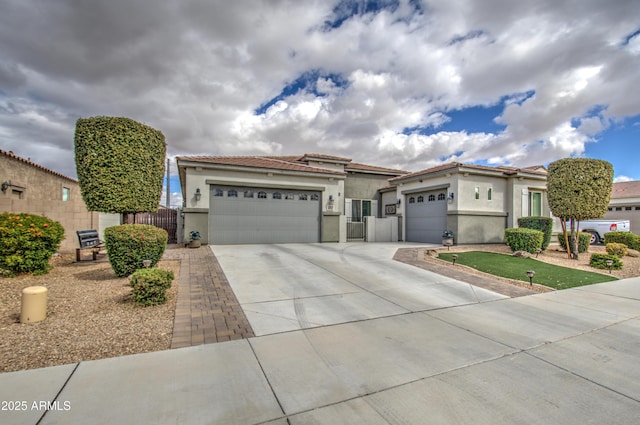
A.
x: 298, y: 286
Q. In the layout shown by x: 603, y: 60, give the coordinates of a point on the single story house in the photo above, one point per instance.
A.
x: 477, y: 203
x: 28, y: 187
x: 625, y: 204
x: 277, y: 199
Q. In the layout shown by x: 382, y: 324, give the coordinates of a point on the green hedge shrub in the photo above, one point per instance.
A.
x: 150, y: 286
x: 617, y: 249
x: 599, y: 261
x: 631, y: 240
x: 544, y: 224
x: 584, y: 240
x: 120, y: 164
x: 129, y: 244
x: 27, y: 243
x: 523, y: 239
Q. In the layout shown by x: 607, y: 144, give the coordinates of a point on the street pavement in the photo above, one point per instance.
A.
x: 348, y: 336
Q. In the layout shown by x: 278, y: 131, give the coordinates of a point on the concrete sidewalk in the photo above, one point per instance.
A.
x: 565, y: 357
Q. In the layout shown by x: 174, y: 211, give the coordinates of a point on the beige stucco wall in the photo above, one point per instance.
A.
x: 196, y: 212
x: 42, y: 195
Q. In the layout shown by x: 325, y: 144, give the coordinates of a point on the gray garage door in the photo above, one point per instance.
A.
x: 426, y: 216
x: 245, y: 215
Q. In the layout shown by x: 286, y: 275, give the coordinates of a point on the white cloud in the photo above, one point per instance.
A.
x: 198, y: 71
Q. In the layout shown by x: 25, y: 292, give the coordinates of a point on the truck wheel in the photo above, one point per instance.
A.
x: 595, y: 239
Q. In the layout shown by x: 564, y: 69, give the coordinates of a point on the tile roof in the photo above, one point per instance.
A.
x: 537, y: 169
x: 273, y: 163
x: 373, y: 168
x: 626, y: 190
x: 28, y: 161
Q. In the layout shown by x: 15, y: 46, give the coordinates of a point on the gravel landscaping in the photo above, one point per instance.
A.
x: 90, y: 315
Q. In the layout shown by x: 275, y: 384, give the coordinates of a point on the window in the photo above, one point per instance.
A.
x: 477, y: 193
x: 360, y: 208
x: 65, y: 194
x: 441, y: 196
x: 535, y: 203
x: 315, y: 197
x: 289, y: 196
x: 637, y: 209
x: 412, y: 200
x: 303, y: 197
x: 420, y: 198
x: 248, y: 193
x: 489, y: 193
x: 627, y: 208
x: 432, y: 198
x: 618, y: 208
x: 218, y: 192
x: 277, y: 195
x: 262, y: 195
x: 232, y: 193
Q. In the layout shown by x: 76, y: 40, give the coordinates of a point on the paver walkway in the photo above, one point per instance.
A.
x: 415, y: 257
x: 207, y: 310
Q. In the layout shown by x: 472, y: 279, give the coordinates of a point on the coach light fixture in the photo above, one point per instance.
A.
x: 198, y: 194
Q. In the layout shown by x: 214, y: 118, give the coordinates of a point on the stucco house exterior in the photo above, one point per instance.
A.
x: 476, y: 202
x: 625, y: 204
x: 31, y: 188
x: 277, y: 199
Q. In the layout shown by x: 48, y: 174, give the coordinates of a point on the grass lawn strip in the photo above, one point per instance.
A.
x: 516, y: 268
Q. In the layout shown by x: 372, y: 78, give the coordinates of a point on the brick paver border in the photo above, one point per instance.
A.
x: 207, y: 310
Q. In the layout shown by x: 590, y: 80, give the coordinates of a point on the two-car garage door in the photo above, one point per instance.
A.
x: 246, y: 215
x: 426, y: 216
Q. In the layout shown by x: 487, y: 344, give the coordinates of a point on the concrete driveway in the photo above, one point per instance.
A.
x: 567, y: 357
x: 298, y: 286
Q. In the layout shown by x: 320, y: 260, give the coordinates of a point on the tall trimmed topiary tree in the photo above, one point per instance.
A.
x: 120, y: 164
x: 578, y: 189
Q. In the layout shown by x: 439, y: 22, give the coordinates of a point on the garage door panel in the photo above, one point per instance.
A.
x: 263, y: 220
x: 427, y: 219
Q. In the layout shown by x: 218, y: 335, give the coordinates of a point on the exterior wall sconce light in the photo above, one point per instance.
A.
x: 5, y: 186
x: 530, y: 274
x: 451, y: 196
x: 399, y: 201
x: 198, y: 195
x: 330, y: 198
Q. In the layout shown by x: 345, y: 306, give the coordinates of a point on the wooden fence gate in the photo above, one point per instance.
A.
x: 164, y: 218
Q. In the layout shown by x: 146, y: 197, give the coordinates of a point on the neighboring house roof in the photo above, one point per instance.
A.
x: 623, y: 190
x: 444, y: 168
x: 28, y: 161
x: 264, y: 162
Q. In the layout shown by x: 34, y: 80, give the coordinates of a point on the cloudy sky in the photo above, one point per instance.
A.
x: 399, y: 83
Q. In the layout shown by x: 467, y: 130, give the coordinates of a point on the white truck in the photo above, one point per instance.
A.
x: 598, y: 228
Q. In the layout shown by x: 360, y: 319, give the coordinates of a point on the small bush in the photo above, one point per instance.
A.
x: 27, y: 243
x: 617, y: 249
x: 523, y: 239
x: 544, y: 224
x: 629, y: 239
x: 150, y: 286
x: 599, y: 261
x: 129, y: 244
x: 584, y: 240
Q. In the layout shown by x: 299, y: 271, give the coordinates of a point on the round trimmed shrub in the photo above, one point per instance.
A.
x: 27, y: 243
x: 584, y: 240
x: 631, y: 240
x: 544, y: 224
x: 150, y: 286
x: 599, y: 261
x: 129, y: 244
x: 523, y: 239
x: 618, y: 249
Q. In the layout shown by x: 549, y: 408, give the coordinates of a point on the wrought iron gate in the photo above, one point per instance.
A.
x: 356, y: 229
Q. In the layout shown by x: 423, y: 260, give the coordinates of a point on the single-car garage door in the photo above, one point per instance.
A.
x: 426, y: 216
x: 245, y: 215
